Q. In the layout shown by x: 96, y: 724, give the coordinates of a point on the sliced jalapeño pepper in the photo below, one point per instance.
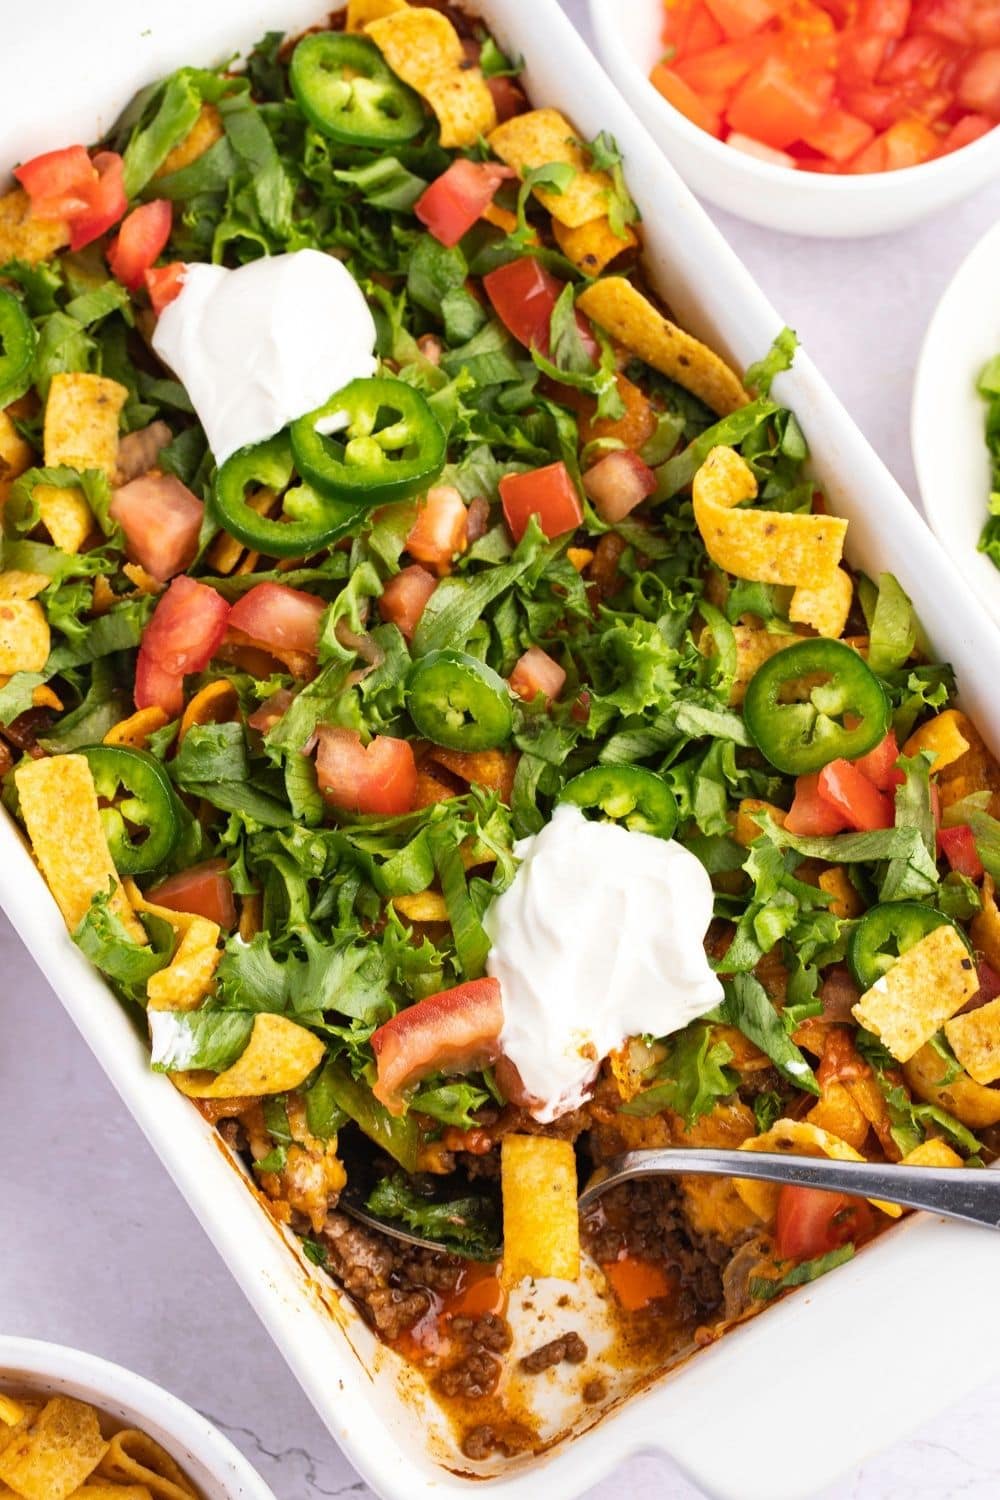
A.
x: 344, y: 88
x: 625, y: 794
x: 376, y: 440
x: 459, y: 702
x: 312, y: 520
x: 137, y: 793
x: 17, y: 347
x: 885, y: 933
x: 812, y: 703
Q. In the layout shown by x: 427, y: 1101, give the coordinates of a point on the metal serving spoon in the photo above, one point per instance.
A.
x: 971, y: 1194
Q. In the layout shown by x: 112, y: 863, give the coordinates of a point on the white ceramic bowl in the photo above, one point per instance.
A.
x: 628, y: 41
x: 210, y: 1461
x: 947, y: 414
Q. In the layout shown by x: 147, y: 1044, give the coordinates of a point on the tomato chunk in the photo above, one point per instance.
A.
x: 441, y: 529
x: 678, y: 92
x: 548, y: 493
x: 205, y: 889
x: 58, y: 182
x: 810, y: 814
x: 453, y: 202
x: 536, y: 672
x: 739, y: 18
x: 453, y: 1031
x: 163, y: 283
x: 812, y: 1222
x: 405, y: 597
x: 839, y: 135
x: 777, y: 104
x: 852, y: 795
x: 279, y: 618
x: 161, y: 520
x: 378, y: 778
x: 139, y: 241
x: 523, y: 294
x: 958, y: 846
x: 617, y: 483
x: 979, y: 83
x: 106, y: 202
x: 185, y: 631
x: 879, y: 765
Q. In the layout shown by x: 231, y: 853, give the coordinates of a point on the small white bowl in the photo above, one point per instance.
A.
x: 947, y: 415
x: 629, y: 44
x: 210, y: 1460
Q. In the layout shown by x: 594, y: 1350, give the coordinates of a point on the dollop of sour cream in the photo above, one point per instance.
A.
x: 261, y: 345
x: 598, y: 938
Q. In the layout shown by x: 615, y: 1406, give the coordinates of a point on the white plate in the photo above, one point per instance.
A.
x: 948, y: 415
x: 865, y: 1354
x: 208, y: 1458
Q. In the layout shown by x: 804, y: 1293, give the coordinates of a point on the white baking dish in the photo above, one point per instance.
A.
x: 782, y: 1405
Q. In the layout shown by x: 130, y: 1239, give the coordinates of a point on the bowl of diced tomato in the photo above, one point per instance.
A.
x: 822, y: 117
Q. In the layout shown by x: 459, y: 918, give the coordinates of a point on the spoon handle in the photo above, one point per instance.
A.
x: 971, y: 1194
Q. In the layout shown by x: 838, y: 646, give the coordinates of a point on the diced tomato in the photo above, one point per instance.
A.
x: 879, y: 765
x: 508, y: 98
x: 989, y: 982
x: 750, y: 147
x: 860, y: 55
x: 690, y: 28
x: 968, y: 23
x: 67, y: 185
x: 812, y: 1222
x: 163, y: 283
x: 404, y: 598
x: 925, y: 59
x: 968, y: 129
x: 810, y: 814
x: 441, y: 528
x: 683, y: 97
x: 106, y: 202
x: 161, y: 520
x: 839, y: 135
x: 185, y: 631
x: 978, y: 86
x: 739, y: 18
x: 271, y: 710
x: 548, y: 493
x: 720, y: 69
x: 886, y: 17
x: 617, y: 483
x: 637, y: 1282
x: 859, y: 803
x: 205, y: 890
x: 535, y: 672
x: 958, y: 846
x: 453, y: 202
x: 523, y: 294
x: 377, y: 778
x: 453, y: 1031
x: 777, y: 104
x: 279, y: 618
x: 139, y: 241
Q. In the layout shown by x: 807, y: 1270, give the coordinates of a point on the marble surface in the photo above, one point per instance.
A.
x: 99, y: 1251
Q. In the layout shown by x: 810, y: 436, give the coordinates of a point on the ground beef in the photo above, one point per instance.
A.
x: 368, y: 1265
x: 595, y: 1391
x: 475, y: 1375
x: 434, y: 1269
x: 490, y: 1331
x: 646, y: 1219
x: 569, y: 1347
x: 482, y: 1441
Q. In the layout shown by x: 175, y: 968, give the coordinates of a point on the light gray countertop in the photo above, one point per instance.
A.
x: 99, y: 1251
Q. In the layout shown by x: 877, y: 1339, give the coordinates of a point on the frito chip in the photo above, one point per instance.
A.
x: 12, y: 1413
x: 838, y: 1113
x: 251, y: 916
x: 908, y: 1004
x: 81, y: 421
x: 25, y: 639
x: 22, y: 236
x: 845, y: 903
x: 136, y: 729
x: 502, y: 218
x: 107, y: 1489
x: 361, y: 12
x: 188, y: 977
x: 180, y: 921
x: 541, y: 137
x: 280, y: 1055
x: 216, y: 703
x: 65, y: 514
x: 144, y: 582
x: 205, y: 131
x: 746, y: 828
x: 16, y: 584
x: 593, y: 245
x: 630, y: 318
x: 423, y: 48
x: 942, y: 736
x: 52, y: 1458
x: 541, y: 1225
x: 975, y: 1040
x: 134, y: 1457
x: 45, y: 697
x: 60, y: 810
x: 425, y: 906
x: 928, y: 1075
x: 493, y: 769
x: 765, y: 545
x: 754, y: 647
x: 825, y: 606
x: 795, y: 1138
x: 225, y: 551
x: 16, y: 454
x: 985, y: 926
x: 579, y: 557
x: 932, y: 1153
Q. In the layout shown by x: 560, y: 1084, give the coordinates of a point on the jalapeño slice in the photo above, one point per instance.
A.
x: 137, y: 794
x: 812, y: 703
x: 313, y: 520
x: 631, y: 795
x: 457, y: 701
x: 375, y: 441
x: 344, y: 88
x: 884, y: 934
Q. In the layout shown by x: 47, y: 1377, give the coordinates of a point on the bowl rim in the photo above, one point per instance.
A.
x: 860, y: 185
x: 110, y: 1383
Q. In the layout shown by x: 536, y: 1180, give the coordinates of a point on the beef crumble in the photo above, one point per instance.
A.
x: 646, y: 1219
x: 569, y: 1347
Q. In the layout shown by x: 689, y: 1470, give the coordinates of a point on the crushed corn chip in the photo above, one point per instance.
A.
x: 187, y: 979
x: 81, y: 422
x: 25, y: 638
x: 838, y: 1113
x: 65, y: 515
x: 543, y: 136
x: 593, y: 245
x: 923, y: 989
x: 745, y: 826
x: 423, y: 48
x: 541, y: 1226
x: 753, y: 648
x: 985, y: 926
x: 16, y: 584
x: 225, y: 551
x: 502, y: 218
x: 144, y: 582
x: 11, y: 1411
x: 216, y: 703
x: 579, y: 557
x: 205, y: 131
x: 632, y: 320
x: 796, y: 1138
x: 279, y: 1055
x: 46, y: 697
x: 251, y: 916
x: 136, y: 729
x: 361, y: 12
x: 975, y: 1040
x: 53, y: 1457
x: 942, y: 736
x: 134, y: 1458
x: 973, y: 1103
x: 825, y: 606
x: 16, y: 455
x: 23, y: 237
x: 846, y: 902
x: 933, y: 1153
x: 425, y: 906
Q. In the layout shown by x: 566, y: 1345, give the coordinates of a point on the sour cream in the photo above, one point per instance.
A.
x: 597, y: 939
x: 259, y: 346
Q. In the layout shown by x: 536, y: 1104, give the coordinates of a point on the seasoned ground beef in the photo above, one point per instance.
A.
x: 569, y: 1347
x: 368, y: 1265
x: 646, y: 1219
x: 482, y: 1441
x: 491, y: 1331
x: 595, y: 1391
x: 475, y: 1375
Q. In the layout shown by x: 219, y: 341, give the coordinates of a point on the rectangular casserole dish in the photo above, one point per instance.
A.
x: 863, y: 1347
